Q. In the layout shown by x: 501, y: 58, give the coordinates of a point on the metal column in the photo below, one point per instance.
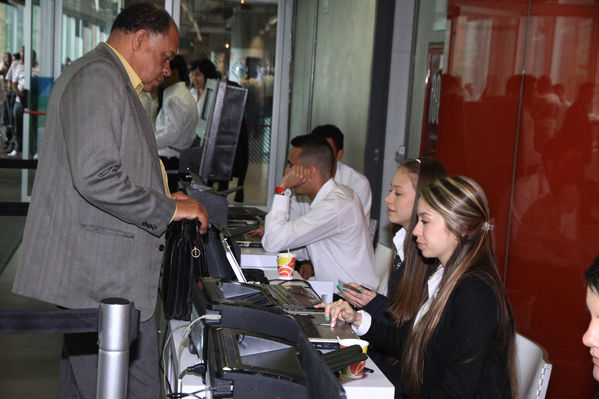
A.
x: 113, y: 355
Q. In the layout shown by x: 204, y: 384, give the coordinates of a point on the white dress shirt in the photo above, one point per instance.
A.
x: 334, y: 232
x: 398, y: 240
x: 176, y: 121
x: 357, y: 182
x: 150, y: 105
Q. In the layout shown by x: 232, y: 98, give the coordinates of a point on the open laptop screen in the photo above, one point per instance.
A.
x: 232, y: 260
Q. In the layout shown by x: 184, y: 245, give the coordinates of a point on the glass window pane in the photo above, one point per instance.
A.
x: 84, y: 25
x: 239, y: 39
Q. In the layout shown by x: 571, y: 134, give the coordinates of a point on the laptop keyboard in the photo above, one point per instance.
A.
x: 285, y: 299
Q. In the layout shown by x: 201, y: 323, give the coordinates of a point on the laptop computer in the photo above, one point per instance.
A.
x: 296, y: 297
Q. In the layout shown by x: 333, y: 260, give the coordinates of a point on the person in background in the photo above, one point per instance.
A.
x: 17, y: 76
x: 201, y: 70
x: 460, y: 340
x: 3, y: 70
x: 10, y: 102
x: 334, y: 230
x: 591, y: 336
x: 177, y: 119
x: 100, y: 206
x: 6, y: 61
x: 343, y: 173
x: 401, y: 202
x: 149, y: 99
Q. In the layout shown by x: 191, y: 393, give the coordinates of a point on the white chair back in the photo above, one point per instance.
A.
x: 383, y: 257
x: 533, y: 369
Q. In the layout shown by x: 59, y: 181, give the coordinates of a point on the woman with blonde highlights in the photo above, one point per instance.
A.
x: 459, y: 341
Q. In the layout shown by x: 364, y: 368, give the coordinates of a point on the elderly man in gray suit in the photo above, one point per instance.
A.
x: 99, y: 204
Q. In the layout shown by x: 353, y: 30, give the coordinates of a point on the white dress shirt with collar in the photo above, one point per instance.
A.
x: 176, y: 121
x: 334, y: 232
x: 356, y: 181
x: 398, y: 240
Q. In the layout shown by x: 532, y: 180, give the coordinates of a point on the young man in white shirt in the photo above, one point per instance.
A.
x: 334, y: 231
x: 343, y: 174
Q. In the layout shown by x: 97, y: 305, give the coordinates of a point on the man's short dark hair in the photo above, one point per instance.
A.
x: 332, y: 132
x: 178, y: 64
x: 591, y: 276
x: 139, y: 16
x: 315, y: 151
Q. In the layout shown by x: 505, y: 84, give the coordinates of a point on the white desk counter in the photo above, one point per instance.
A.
x: 374, y: 385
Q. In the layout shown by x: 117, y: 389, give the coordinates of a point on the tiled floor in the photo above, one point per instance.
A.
x: 28, y: 362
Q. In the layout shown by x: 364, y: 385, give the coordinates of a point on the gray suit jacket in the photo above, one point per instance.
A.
x: 98, y: 209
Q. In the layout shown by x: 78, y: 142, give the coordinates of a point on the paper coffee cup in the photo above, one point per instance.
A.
x: 355, y: 370
x: 285, y: 264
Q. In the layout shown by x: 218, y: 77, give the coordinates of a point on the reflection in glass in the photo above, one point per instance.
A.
x: 240, y: 41
x: 519, y: 113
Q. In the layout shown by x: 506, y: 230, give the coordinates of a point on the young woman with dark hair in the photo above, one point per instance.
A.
x: 459, y: 341
x: 410, y: 177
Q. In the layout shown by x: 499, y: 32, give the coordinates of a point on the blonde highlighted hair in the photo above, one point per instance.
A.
x: 463, y: 205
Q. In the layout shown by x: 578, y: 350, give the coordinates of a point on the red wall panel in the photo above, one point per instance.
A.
x: 518, y: 113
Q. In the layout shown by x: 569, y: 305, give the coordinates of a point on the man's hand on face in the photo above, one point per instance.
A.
x: 295, y: 176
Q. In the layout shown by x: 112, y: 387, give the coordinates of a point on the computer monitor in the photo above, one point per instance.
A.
x: 222, y: 115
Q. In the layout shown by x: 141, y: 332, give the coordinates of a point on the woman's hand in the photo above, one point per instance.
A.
x: 340, y: 310
x: 359, y: 296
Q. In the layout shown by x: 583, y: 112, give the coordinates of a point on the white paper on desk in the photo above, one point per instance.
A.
x: 257, y: 259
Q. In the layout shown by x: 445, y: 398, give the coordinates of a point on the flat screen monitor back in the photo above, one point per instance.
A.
x: 207, y: 106
x: 222, y: 131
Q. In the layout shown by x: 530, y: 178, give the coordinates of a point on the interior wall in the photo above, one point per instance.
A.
x: 397, y: 107
x: 303, y: 35
x: 341, y: 90
x: 343, y: 69
x: 426, y: 35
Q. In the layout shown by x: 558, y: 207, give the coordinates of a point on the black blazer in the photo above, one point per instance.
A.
x: 466, y: 356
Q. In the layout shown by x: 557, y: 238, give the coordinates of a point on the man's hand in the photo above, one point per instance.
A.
x: 294, y: 176
x: 188, y: 208
x: 258, y: 232
x: 305, y: 269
